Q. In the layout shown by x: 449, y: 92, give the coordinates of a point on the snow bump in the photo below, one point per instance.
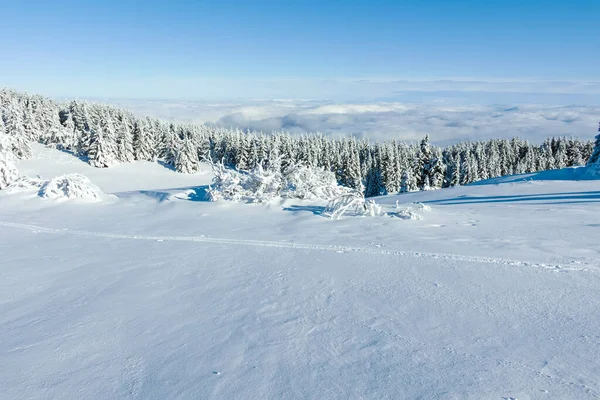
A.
x: 71, y: 186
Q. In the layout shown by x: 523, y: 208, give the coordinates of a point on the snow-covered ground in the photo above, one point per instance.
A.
x: 158, y: 294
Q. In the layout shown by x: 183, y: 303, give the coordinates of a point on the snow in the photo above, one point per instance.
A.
x: 159, y: 294
x: 8, y: 171
x: 71, y: 186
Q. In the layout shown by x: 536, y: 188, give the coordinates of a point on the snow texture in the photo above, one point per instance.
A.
x: 493, y: 294
x: 71, y: 186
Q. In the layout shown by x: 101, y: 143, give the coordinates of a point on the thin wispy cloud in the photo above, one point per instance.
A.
x: 465, y: 90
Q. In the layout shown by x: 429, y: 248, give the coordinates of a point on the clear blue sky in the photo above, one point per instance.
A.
x: 145, y: 48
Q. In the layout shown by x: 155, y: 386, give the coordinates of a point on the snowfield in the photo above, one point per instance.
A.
x: 155, y: 293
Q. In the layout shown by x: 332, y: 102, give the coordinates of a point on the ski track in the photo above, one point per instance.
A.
x: 303, y: 246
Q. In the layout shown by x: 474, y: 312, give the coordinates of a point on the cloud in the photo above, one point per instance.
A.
x: 343, y: 90
x: 445, y: 123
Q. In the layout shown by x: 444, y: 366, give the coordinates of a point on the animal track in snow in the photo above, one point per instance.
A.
x: 305, y: 246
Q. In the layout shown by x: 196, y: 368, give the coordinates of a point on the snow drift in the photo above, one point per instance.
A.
x: 71, y: 186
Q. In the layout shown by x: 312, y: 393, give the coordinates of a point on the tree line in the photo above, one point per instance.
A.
x: 106, y: 135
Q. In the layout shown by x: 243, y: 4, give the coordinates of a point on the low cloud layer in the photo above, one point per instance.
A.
x: 343, y: 90
x: 379, y: 121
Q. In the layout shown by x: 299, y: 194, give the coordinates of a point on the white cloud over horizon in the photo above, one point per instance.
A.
x: 445, y: 123
x: 464, y: 90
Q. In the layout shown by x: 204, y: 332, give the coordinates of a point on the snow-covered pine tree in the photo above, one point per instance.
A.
x: 31, y: 128
x: 101, y: 151
x: 560, y: 156
x: 408, y: 182
x: 452, y: 162
x: 143, y: 142
x: 431, y: 171
x: 14, y: 127
x: 124, y: 143
x: 574, y: 156
x: 351, y: 172
x: 2, y: 124
x: 372, y: 181
x: 436, y: 169
x: 595, y: 157
x: 186, y: 158
x: 547, y: 155
x: 8, y: 171
x: 167, y: 144
x: 391, y: 176
x: 424, y: 159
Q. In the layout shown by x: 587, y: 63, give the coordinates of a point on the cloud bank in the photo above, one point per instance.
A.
x: 342, y: 90
x: 385, y: 120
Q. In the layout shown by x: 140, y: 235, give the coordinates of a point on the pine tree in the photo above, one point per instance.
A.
x: 125, y: 144
x: 424, y: 160
x: 14, y: 127
x: 561, y: 154
x: 8, y: 171
x: 186, y: 159
x: 595, y: 157
x: 101, y: 151
x: 143, y: 142
x: 2, y: 124
x: 408, y: 182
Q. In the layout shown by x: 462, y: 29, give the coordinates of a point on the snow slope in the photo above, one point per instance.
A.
x: 161, y: 295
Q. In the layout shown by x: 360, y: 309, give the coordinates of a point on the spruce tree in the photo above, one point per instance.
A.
x: 186, y: 159
x: 595, y: 157
x: 101, y: 151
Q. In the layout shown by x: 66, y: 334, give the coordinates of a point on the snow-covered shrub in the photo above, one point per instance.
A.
x: 227, y: 184
x: 372, y: 209
x: 409, y: 211
x: 71, y: 186
x: 421, y: 206
x: 351, y: 203
x: 8, y: 171
x: 266, y: 182
x: 302, y: 182
x: 24, y: 184
x: 406, y: 213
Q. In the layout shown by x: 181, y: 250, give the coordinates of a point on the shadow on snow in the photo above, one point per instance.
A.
x: 316, y: 210
x: 190, y: 193
x: 548, y: 198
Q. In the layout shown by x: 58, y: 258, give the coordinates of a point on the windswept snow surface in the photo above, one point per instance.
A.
x: 159, y: 294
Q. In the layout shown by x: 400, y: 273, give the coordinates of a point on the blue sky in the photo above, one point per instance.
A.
x: 308, y: 48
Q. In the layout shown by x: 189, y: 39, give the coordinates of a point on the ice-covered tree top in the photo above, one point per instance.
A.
x: 595, y: 158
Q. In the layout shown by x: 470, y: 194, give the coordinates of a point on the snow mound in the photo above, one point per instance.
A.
x: 25, y: 184
x: 8, y: 171
x: 71, y: 186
